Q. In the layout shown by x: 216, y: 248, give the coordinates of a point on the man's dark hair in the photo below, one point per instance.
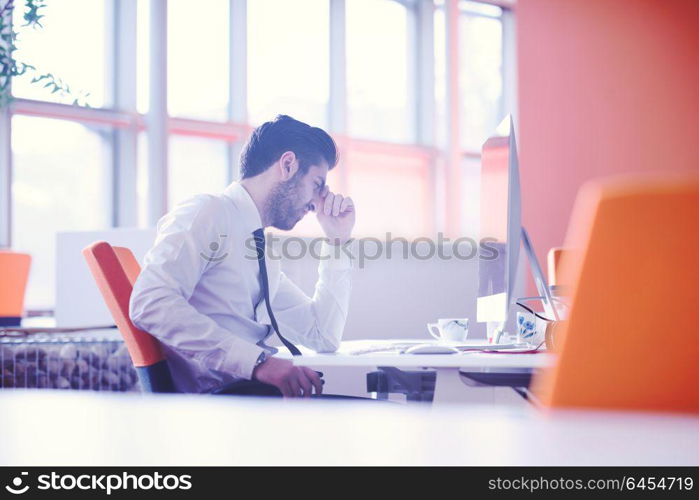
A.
x: 270, y: 140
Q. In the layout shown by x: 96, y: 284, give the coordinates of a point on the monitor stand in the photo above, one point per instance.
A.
x: 538, y: 275
x: 496, y: 329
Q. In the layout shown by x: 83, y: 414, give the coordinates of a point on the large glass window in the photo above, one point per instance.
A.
x: 142, y: 186
x: 197, y: 165
x: 61, y: 174
x: 471, y: 194
x: 198, y: 48
x: 392, y: 192
x: 378, y: 48
x: 288, y: 60
x: 480, y: 72
x: 142, y: 55
x: 71, y: 46
x: 440, y: 77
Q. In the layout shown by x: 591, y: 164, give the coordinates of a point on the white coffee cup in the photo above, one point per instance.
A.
x: 449, y: 329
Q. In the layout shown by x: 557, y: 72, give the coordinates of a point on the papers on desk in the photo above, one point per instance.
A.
x: 400, y: 346
x: 379, y: 347
x: 504, y: 348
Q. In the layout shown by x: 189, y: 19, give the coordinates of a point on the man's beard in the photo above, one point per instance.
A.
x: 282, y: 205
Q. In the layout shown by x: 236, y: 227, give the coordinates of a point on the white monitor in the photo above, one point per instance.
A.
x: 502, y: 233
x: 500, y: 224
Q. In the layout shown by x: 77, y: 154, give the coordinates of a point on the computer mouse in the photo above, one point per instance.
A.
x: 431, y: 349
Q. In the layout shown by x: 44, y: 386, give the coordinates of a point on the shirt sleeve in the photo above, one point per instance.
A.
x: 317, y: 322
x: 172, y: 268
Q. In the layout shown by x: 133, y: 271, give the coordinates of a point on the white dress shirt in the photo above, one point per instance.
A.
x: 199, y: 293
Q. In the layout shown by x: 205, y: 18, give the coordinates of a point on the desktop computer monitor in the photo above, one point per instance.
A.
x: 502, y: 233
x: 500, y: 225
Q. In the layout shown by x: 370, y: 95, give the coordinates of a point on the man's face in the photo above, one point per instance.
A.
x: 291, y: 200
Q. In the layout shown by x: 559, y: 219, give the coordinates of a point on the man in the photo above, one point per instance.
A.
x: 203, y: 285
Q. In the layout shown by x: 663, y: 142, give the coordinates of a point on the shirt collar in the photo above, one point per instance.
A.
x: 250, y: 216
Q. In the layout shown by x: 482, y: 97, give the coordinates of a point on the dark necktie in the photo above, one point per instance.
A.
x: 259, y: 235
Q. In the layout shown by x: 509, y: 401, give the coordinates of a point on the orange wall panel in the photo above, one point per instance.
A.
x: 605, y: 87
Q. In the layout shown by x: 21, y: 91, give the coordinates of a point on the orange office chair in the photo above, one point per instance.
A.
x: 554, y: 258
x: 630, y: 341
x: 14, y: 269
x: 115, y: 270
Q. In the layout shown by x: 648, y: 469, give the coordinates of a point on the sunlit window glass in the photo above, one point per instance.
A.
x: 142, y: 184
x: 288, y: 60
x: 471, y: 197
x: 377, y: 71
x: 71, y: 46
x: 403, y: 209
x: 440, y: 77
x: 198, y: 58
x: 480, y: 73
x: 60, y: 181
x: 142, y: 55
x: 197, y: 165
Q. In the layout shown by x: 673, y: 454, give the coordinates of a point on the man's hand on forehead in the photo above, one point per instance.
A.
x: 336, y: 215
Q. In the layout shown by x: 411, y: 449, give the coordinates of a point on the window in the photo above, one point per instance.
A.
x: 378, y: 47
x: 142, y: 187
x: 142, y: 55
x: 198, y: 59
x: 288, y: 60
x: 61, y: 175
x: 390, y: 185
x: 77, y: 54
x: 480, y: 67
x: 471, y: 189
x: 197, y: 165
x: 63, y: 157
x: 440, y: 77
x: 481, y: 100
x: 480, y: 73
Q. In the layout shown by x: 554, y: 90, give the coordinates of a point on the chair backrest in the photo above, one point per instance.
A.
x: 630, y: 341
x: 554, y: 258
x: 115, y: 270
x: 14, y: 269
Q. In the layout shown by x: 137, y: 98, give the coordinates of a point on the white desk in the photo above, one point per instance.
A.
x: 102, y: 429
x: 449, y: 387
